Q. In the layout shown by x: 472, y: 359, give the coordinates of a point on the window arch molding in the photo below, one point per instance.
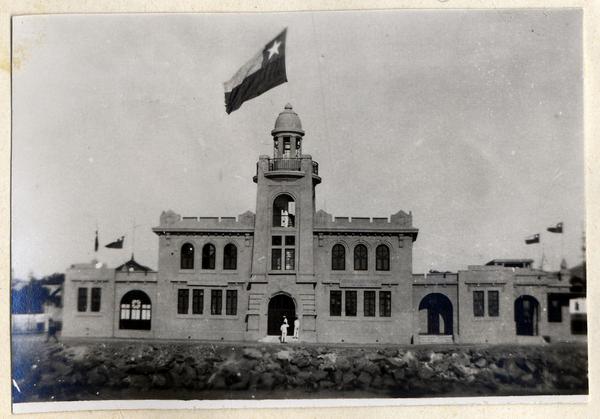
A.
x: 209, y: 255
x: 187, y: 255
x: 360, y: 254
x: 230, y: 256
x: 338, y: 261
x: 135, y: 310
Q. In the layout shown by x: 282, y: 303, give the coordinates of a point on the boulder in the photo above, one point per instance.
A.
x: 266, y: 381
x: 159, y: 381
x: 283, y: 355
x: 364, y: 379
x: 252, y: 353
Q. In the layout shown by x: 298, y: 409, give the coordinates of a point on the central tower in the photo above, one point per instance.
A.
x: 285, y: 207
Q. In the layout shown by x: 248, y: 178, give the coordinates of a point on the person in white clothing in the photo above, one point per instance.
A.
x: 283, y: 328
x: 296, y: 328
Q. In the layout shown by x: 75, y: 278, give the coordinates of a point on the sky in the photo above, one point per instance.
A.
x: 472, y: 120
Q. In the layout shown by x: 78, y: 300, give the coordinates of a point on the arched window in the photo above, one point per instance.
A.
x: 135, y: 311
x: 360, y: 258
x: 284, y: 211
x: 187, y: 256
x: 208, y: 256
x: 338, y: 258
x: 230, y: 257
x: 382, y: 258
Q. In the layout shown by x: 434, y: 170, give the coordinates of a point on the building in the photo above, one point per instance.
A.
x: 345, y: 279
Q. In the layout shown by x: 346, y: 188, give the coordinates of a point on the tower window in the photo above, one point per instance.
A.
x: 382, y: 258
x: 360, y: 258
x: 283, y: 253
x: 287, y: 147
x: 230, y: 257
x: 208, y: 256
x: 284, y: 211
x: 187, y: 256
x: 338, y: 258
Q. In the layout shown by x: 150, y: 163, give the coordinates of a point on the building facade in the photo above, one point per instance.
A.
x: 345, y: 279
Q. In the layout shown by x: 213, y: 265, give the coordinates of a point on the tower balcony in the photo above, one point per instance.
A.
x: 290, y: 167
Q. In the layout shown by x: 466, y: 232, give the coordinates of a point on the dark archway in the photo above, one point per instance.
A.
x: 135, y: 311
x: 527, y: 311
x: 279, y: 306
x: 439, y: 314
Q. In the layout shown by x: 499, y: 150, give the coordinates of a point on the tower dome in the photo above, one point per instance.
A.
x: 288, y: 121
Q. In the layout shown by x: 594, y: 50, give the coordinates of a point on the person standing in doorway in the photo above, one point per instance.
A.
x: 296, y: 328
x: 284, y: 329
x: 51, y: 332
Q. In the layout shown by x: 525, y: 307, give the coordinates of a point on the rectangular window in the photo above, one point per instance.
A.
x: 369, y: 303
x: 276, y: 259
x: 350, y: 303
x: 231, y: 303
x: 276, y: 241
x: 493, y: 303
x: 81, y: 299
x: 335, y: 303
x: 478, y: 304
x: 385, y: 303
x: 125, y: 311
x: 96, y: 297
x: 555, y: 305
x: 290, y: 240
x: 216, y: 301
x: 183, y: 301
x: 197, y: 301
x: 290, y: 258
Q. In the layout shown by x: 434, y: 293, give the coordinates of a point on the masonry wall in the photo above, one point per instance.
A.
x: 87, y: 323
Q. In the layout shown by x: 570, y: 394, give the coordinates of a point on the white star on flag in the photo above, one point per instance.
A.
x: 274, y: 49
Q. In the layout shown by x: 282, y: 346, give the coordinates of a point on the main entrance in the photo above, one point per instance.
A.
x: 279, y: 306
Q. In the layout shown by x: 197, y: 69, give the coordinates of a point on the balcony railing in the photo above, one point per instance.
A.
x: 295, y: 165
x: 284, y: 164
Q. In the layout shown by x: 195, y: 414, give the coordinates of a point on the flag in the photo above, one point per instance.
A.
x: 117, y: 244
x: 96, y: 242
x: 263, y: 72
x: 558, y: 228
x: 532, y: 239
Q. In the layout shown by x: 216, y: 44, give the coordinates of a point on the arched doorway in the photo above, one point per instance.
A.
x: 135, y: 311
x: 438, y: 314
x: 526, y: 315
x: 279, y: 306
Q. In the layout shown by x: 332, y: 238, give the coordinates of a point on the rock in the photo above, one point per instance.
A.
x: 390, y: 352
x: 159, y: 381
x: 342, y: 363
x: 326, y: 384
x: 252, y: 353
x: 409, y: 358
x: 301, y: 361
x: 377, y: 382
x: 399, y: 375
x: 94, y: 378
x: 319, y: 375
x: 396, y: 362
x: 337, y: 376
x: 348, y: 379
x: 481, y: 363
x: 266, y: 381
x: 374, y: 357
x: 139, y: 381
x: 435, y: 357
x: 283, y: 355
x: 528, y: 380
x: 364, y: 379
x: 426, y: 372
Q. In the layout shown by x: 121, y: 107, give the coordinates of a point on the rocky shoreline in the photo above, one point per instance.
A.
x: 130, y: 370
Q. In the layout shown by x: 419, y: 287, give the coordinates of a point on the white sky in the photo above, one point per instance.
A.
x: 471, y: 120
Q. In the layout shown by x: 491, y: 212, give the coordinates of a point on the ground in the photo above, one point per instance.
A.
x: 99, y: 369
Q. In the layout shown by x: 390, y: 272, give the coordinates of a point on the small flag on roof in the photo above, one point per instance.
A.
x: 96, y: 242
x: 532, y: 239
x: 117, y: 244
x: 263, y: 72
x: 558, y: 228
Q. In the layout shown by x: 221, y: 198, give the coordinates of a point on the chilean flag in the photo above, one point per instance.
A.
x: 263, y: 72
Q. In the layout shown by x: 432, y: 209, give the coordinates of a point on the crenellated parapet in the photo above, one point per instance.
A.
x: 398, y: 223
x: 171, y: 222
